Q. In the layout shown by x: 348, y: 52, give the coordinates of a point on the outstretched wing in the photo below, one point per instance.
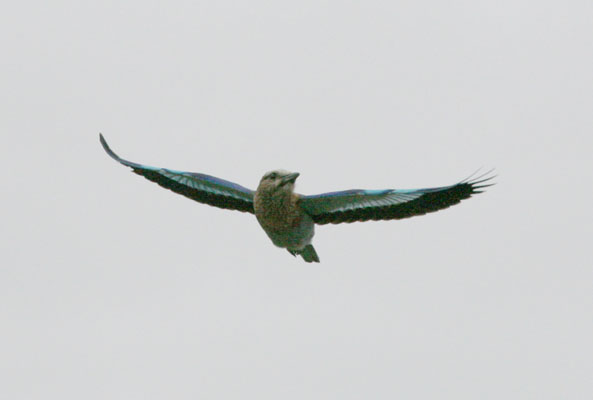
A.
x: 364, y: 205
x: 199, y: 187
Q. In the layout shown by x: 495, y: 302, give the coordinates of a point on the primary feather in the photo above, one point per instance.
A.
x: 363, y: 205
x: 199, y: 187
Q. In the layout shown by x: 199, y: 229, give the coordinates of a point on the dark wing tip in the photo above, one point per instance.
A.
x: 108, y: 149
x: 473, y: 178
x: 117, y: 158
x: 482, y: 181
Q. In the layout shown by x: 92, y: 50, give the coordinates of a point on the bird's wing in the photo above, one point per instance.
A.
x: 363, y: 205
x: 199, y: 187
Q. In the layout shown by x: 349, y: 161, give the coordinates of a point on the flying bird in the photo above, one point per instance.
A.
x: 289, y: 218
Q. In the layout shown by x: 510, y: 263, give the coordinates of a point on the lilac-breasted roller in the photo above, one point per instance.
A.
x: 289, y: 218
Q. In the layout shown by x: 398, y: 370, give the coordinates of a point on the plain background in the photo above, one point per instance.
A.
x: 113, y: 288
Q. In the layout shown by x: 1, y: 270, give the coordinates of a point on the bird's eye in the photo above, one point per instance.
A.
x: 272, y: 176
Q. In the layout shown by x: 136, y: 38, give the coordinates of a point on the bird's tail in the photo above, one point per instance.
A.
x: 309, y: 254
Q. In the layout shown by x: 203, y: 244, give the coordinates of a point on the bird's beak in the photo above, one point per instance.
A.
x: 289, y: 178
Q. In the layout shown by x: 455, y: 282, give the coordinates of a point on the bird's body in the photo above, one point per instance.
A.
x: 289, y: 218
x: 277, y: 210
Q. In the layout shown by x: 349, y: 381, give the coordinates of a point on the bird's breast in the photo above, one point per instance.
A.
x: 284, y: 221
x: 276, y: 215
x: 292, y: 232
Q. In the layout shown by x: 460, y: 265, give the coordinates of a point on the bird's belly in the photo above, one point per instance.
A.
x: 291, y: 236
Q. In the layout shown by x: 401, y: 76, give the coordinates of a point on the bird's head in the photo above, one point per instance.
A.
x: 278, y: 180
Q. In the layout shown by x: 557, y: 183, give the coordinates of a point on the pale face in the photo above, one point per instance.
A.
x: 279, y: 179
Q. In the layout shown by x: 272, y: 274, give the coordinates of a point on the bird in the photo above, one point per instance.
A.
x: 289, y: 218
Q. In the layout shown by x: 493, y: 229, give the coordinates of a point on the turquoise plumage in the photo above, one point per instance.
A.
x: 288, y: 218
x: 200, y: 187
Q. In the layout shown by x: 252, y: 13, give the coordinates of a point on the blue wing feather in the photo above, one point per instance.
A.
x: 386, y: 204
x: 199, y: 187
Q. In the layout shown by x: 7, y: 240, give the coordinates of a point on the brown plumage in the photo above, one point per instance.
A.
x: 279, y: 214
x: 289, y: 218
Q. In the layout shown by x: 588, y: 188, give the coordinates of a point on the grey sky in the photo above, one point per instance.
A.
x: 114, y: 288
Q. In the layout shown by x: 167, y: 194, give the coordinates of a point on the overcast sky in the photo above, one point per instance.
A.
x: 114, y: 288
